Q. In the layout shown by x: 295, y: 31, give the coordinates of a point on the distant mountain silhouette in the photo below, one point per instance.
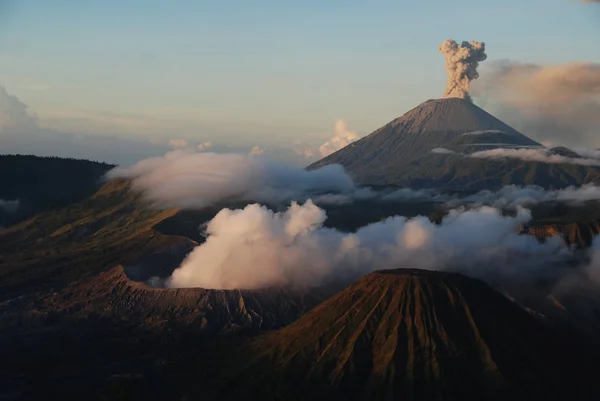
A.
x: 400, y: 153
x: 42, y: 183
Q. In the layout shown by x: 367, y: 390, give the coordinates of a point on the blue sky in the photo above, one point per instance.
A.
x: 264, y: 71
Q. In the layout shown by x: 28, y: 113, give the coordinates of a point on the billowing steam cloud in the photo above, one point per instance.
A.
x: 461, y: 64
x: 257, y: 248
x: 195, y: 180
x: 9, y: 206
x: 553, y: 103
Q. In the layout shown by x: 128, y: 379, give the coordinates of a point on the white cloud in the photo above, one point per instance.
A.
x: 302, y: 149
x: 257, y: 248
x: 195, y: 180
x: 511, y: 196
x: 257, y: 151
x: 547, y: 144
x: 205, y: 146
x: 589, y: 153
x: 441, y: 151
x: 542, y: 155
x: 178, y: 143
x: 342, y: 138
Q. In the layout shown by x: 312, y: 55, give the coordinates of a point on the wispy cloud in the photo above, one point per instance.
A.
x: 441, y: 151
x: 481, y: 132
x: 342, y: 138
x: 178, y: 143
x: 534, y: 155
x: 205, y: 146
x: 257, y: 151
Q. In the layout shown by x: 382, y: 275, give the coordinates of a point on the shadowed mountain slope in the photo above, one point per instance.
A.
x: 412, y: 335
x: 400, y: 153
x: 74, y: 305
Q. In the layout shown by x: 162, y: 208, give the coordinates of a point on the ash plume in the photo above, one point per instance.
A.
x: 461, y: 65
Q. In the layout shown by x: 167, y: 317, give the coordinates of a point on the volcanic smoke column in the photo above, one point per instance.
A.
x: 461, y: 64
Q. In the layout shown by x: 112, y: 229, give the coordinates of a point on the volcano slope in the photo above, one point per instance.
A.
x: 400, y: 153
x: 74, y: 305
x: 75, y: 309
x: 411, y: 335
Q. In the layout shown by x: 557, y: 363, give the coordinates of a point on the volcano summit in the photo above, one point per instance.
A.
x: 431, y: 146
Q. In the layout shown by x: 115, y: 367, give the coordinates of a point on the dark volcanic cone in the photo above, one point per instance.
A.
x: 412, y: 335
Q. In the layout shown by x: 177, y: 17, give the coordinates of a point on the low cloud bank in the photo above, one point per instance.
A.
x: 9, y: 206
x: 195, y: 180
x: 512, y: 196
x: 508, y: 197
x: 542, y: 155
x: 258, y: 248
x: 578, y: 156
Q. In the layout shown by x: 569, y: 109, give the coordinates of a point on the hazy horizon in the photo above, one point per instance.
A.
x: 124, y: 81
